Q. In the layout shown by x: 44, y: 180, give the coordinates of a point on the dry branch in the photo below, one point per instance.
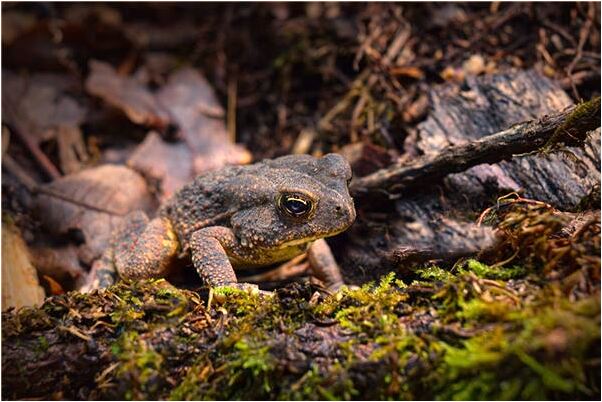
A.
x: 569, y: 126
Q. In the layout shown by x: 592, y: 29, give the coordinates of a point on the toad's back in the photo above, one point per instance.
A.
x: 206, y: 201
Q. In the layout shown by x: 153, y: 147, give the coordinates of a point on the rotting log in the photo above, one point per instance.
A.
x: 569, y: 126
x: 438, y: 197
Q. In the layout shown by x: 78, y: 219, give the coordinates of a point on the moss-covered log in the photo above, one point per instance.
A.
x: 528, y: 328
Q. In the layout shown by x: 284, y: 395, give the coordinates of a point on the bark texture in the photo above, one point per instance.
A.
x: 436, y: 203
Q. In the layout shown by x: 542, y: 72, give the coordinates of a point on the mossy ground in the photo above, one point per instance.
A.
x: 521, y: 323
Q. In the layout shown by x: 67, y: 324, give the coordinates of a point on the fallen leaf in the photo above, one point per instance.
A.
x: 196, y: 111
x: 92, y: 202
x: 20, y: 286
x: 188, y: 102
x: 365, y: 158
x: 167, y: 164
x: 39, y: 104
x: 40, y: 108
x: 59, y: 262
x: 126, y: 94
x: 54, y: 286
x: 475, y: 65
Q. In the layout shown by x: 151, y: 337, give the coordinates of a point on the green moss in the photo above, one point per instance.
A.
x: 500, y: 272
x: 524, y: 359
x: 433, y: 273
x: 370, y: 309
x: 140, y: 366
x: 136, y: 304
x: 43, y: 343
x: 530, y: 330
x: 585, y: 117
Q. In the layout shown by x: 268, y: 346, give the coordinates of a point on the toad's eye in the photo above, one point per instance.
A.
x: 295, y: 205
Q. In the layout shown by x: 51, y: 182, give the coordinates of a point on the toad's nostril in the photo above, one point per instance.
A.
x: 338, y: 209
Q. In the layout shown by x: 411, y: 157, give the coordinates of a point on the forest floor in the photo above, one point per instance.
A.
x: 477, y: 278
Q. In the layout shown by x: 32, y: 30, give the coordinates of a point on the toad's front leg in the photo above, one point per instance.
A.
x: 210, y: 248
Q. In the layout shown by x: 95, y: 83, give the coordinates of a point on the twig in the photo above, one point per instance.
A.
x: 577, y: 79
x: 12, y: 166
x: 559, y: 30
x: 584, y: 34
x: 341, y: 105
x: 40, y: 157
x: 231, y: 121
x: 518, y: 139
x: 509, y: 202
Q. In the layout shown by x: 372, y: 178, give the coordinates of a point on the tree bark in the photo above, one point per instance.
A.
x: 568, y: 126
x: 427, y: 209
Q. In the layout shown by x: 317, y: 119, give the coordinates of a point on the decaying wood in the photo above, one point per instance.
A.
x: 571, y: 124
x: 440, y: 196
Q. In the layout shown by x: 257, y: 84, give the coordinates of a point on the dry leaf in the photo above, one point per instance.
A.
x: 126, y: 94
x: 196, y: 111
x: 59, y: 262
x: 365, y: 158
x: 54, y: 286
x: 38, y: 105
x: 20, y: 286
x: 92, y: 202
x: 169, y: 164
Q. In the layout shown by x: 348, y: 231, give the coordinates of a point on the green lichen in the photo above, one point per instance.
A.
x: 43, y: 342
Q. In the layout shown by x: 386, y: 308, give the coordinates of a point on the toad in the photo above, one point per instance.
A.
x: 240, y: 217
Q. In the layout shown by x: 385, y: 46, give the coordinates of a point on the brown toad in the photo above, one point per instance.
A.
x: 240, y: 217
